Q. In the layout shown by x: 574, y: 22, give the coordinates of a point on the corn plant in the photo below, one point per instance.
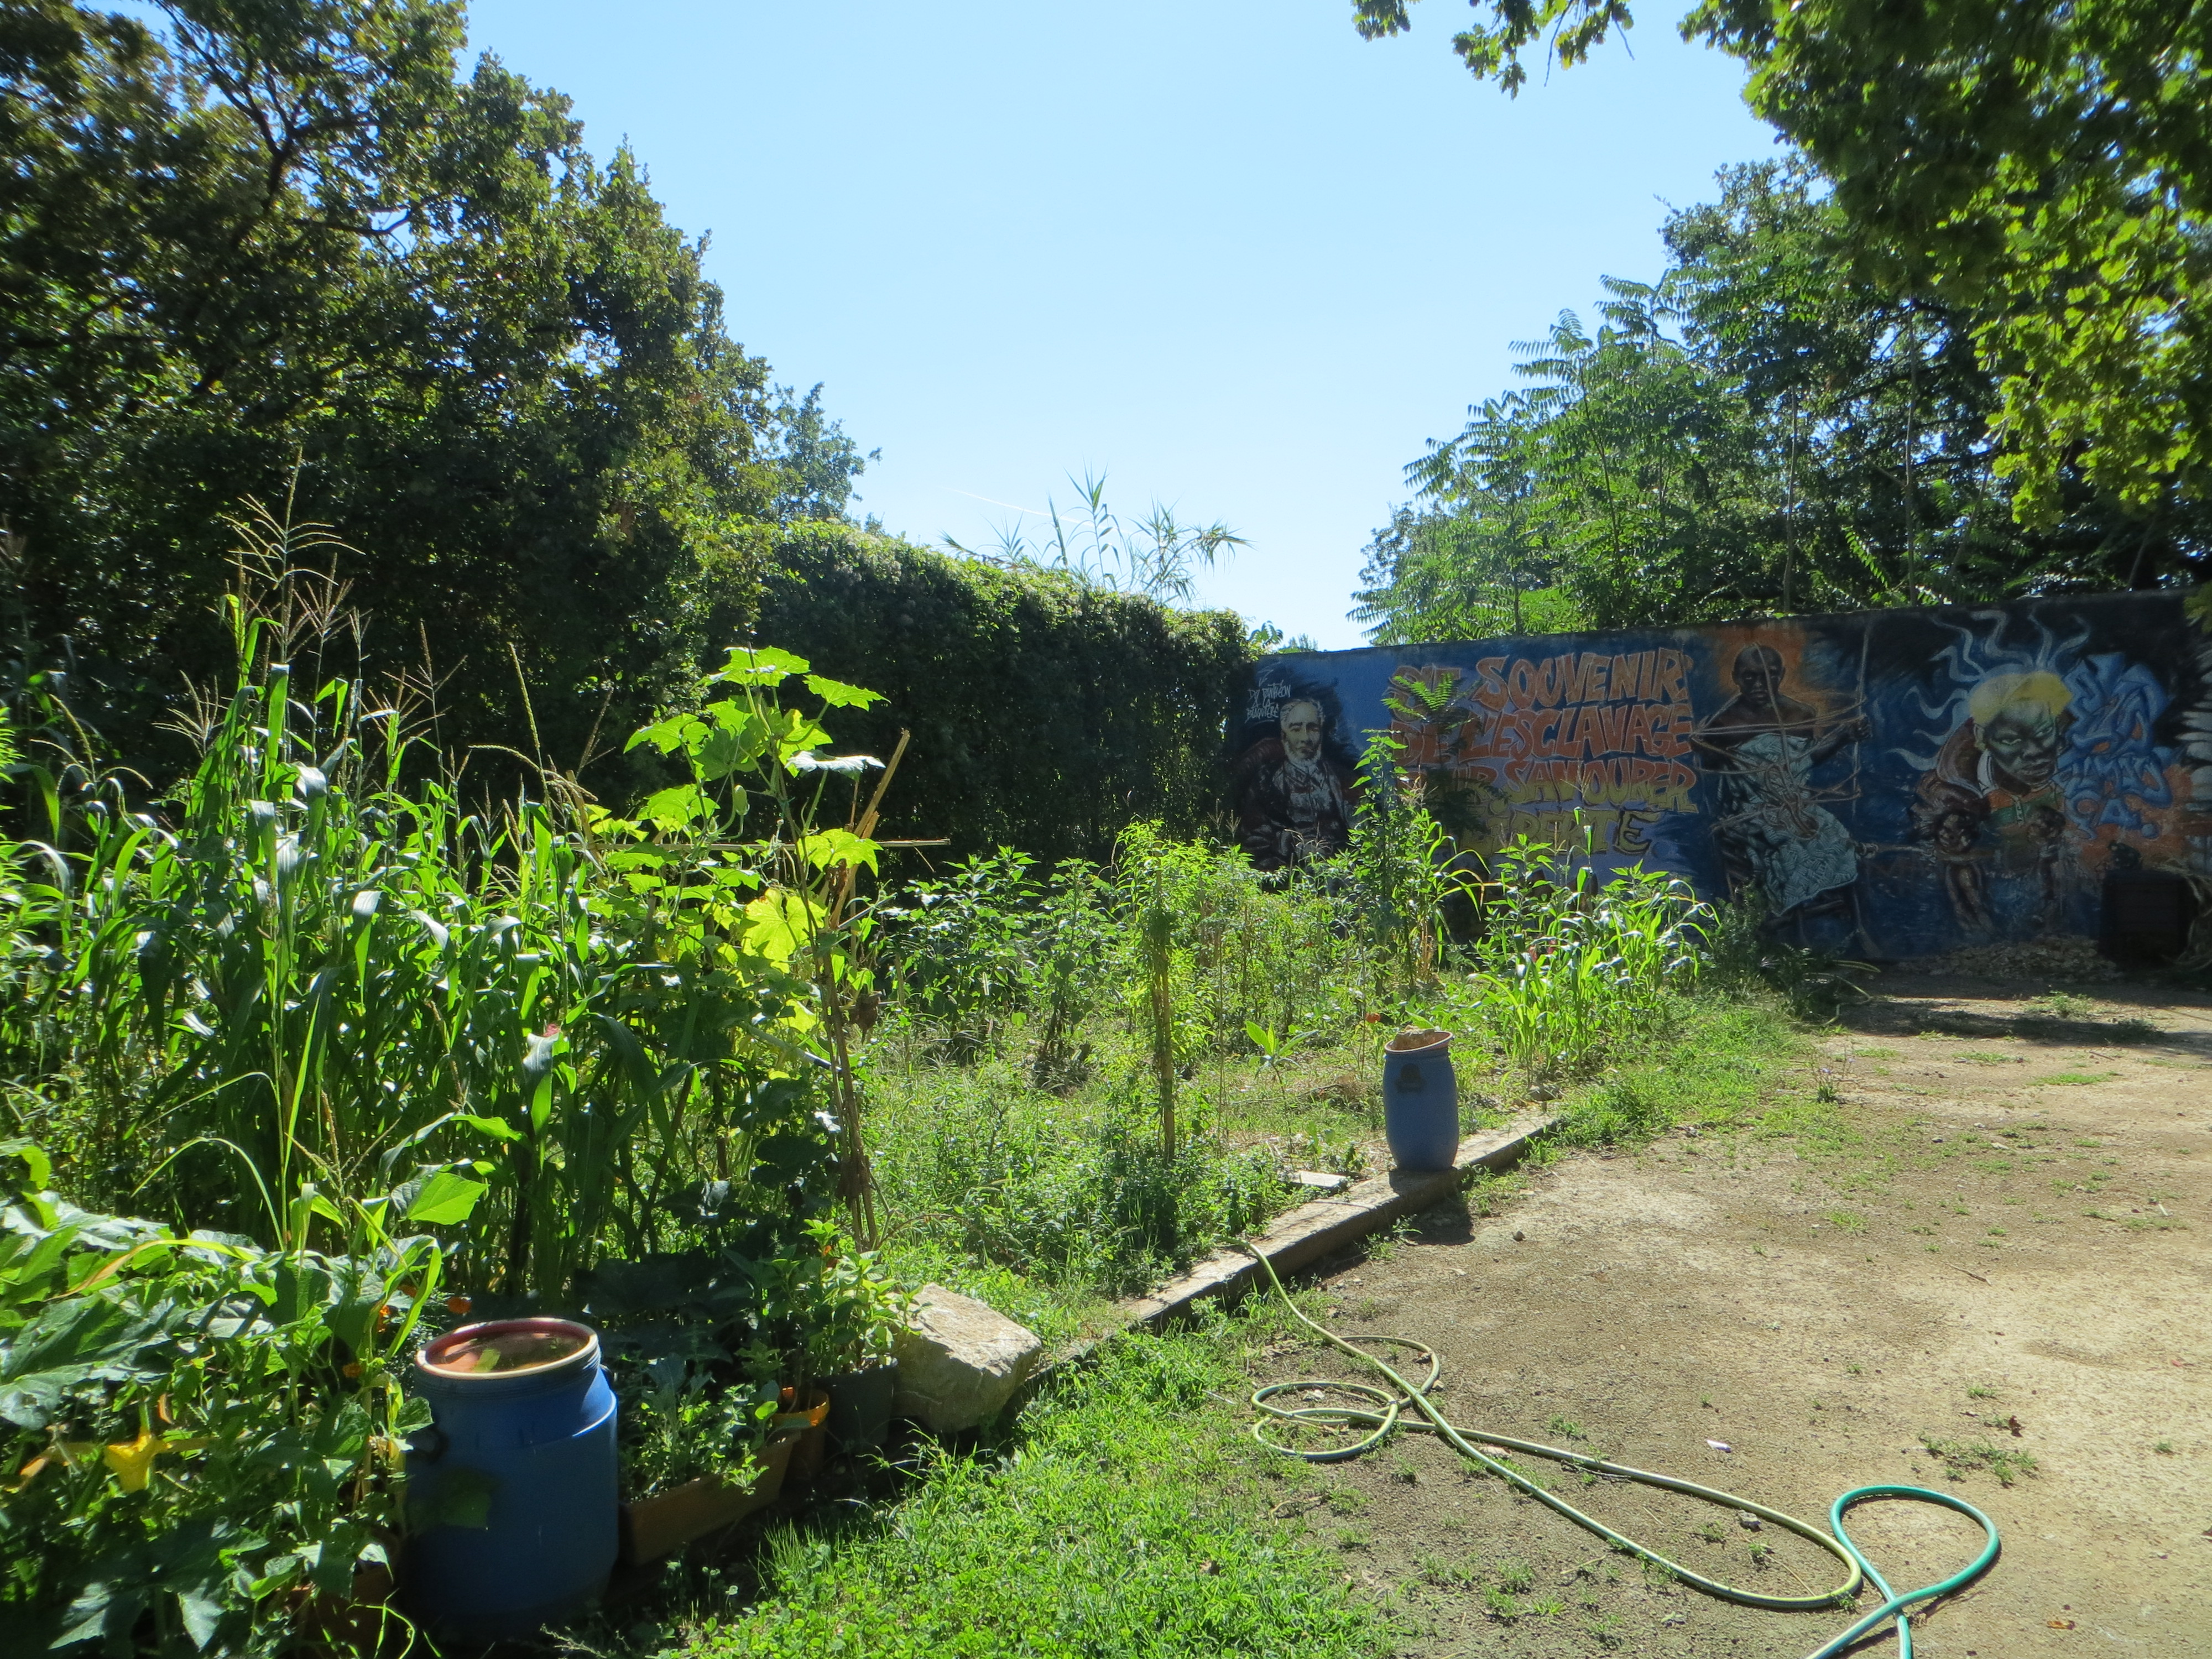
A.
x: 1569, y: 964
x: 303, y: 966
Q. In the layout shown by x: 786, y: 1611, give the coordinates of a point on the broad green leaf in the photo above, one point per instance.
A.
x: 731, y: 747
x: 677, y: 732
x: 38, y: 1168
x: 202, y: 1615
x: 678, y: 807
x: 446, y: 1200
x: 826, y: 848
x: 838, y: 695
x: 799, y: 736
x: 780, y: 923
x: 497, y: 1128
x: 763, y: 665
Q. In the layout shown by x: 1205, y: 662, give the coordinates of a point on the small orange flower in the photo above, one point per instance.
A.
x: 458, y: 1304
x: 353, y: 1368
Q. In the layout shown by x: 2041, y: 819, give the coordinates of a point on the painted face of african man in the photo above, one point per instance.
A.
x: 1302, y: 730
x: 1759, y: 673
x: 2022, y: 741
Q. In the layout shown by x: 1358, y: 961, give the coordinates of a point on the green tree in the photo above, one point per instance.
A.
x: 2043, y: 173
x: 1764, y: 429
x: 285, y: 249
x: 815, y: 462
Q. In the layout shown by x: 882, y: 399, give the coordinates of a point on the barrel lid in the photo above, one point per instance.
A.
x: 1416, y: 1037
x: 498, y: 1349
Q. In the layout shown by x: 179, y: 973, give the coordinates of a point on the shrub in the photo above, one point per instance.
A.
x: 1047, y: 715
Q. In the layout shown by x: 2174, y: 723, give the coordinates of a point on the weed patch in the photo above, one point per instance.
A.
x: 1960, y: 1458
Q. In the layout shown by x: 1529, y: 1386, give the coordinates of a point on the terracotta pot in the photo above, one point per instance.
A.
x: 809, y: 1424
x: 665, y: 1522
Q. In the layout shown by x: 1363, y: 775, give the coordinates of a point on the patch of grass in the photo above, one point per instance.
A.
x: 1513, y: 1574
x: 2077, y: 1079
x: 2163, y: 1447
x: 1080, y: 1532
x: 1980, y: 1391
x: 1500, y: 1606
x: 1725, y: 1062
x: 1444, y: 1574
x: 1568, y: 1427
x: 1960, y: 1458
x: 1849, y: 1221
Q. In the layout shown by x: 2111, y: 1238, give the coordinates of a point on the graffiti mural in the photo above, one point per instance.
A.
x: 1891, y: 784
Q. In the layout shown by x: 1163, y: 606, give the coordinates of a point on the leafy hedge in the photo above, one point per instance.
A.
x: 1046, y: 715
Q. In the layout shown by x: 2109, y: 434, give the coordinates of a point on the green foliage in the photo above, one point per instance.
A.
x: 1078, y: 1534
x: 842, y: 1298
x: 1400, y: 869
x: 285, y: 252
x: 1764, y: 429
x: 577, y: 1059
x: 1570, y: 969
x: 1074, y: 1192
x: 672, y: 1435
x: 199, y: 1435
x: 2033, y: 176
x: 313, y: 971
x: 1047, y: 713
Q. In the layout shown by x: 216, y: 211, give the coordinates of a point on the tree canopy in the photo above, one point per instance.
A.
x: 290, y: 249
x: 2041, y: 171
x: 1767, y: 428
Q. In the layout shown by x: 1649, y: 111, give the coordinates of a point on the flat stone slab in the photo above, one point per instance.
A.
x: 1324, y: 1225
x: 959, y: 1361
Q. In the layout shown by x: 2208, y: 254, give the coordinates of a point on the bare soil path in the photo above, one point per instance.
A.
x: 1984, y: 1258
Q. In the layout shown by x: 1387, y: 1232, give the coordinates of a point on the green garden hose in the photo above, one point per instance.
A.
x: 1388, y: 1414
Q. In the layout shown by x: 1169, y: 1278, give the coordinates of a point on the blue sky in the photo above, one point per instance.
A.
x: 1223, y: 250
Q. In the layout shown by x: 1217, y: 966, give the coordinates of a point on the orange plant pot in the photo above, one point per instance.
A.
x: 665, y: 1522
x: 810, y: 1425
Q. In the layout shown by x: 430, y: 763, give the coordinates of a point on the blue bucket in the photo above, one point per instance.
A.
x: 1420, y: 1101
x: 510, y: 1493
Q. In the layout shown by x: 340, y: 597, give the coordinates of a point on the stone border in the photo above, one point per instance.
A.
x: 1322, y: 1225
x: 1314, y: 1229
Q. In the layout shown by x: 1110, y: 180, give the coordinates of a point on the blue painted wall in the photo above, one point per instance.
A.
x: 1892, y: 783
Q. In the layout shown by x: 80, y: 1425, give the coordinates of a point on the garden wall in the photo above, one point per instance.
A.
x: 1893, y: 783
x: 1046, y: 715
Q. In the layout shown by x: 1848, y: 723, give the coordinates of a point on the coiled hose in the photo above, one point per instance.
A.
x: 1389, y: 1413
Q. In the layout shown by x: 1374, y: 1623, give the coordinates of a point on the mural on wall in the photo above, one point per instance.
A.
x: 1890, y: 784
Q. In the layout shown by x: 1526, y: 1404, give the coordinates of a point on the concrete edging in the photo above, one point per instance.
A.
x: 1317, y: 1228
x: 1306, y: 1234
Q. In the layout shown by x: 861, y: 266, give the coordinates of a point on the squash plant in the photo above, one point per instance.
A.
x: 200, y: 1438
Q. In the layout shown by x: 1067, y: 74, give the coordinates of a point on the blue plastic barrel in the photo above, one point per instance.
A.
x: 511, y: 1494
x: 1420, y: 1101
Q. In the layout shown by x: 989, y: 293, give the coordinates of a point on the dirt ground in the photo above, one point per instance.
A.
x: 1994, y: 1236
